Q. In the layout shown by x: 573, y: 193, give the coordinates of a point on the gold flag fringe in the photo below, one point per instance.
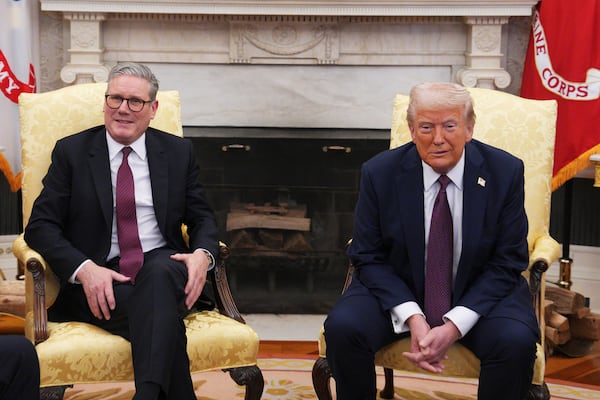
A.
x: 13, y: 180
x: 571, y: 169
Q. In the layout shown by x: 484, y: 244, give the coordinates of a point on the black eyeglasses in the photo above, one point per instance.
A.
x: 133, y: 103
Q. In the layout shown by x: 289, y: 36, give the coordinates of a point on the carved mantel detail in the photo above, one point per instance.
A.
x: 484, y: 57
x: 86, y: 52
x: 278, y: 42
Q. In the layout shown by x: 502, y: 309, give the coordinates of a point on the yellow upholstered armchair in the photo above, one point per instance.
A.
x: 75, y: 352
x: 525, y: 128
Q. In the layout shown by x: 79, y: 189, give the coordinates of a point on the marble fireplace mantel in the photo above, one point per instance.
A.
x: 264, y: 45
x: 294, y: 7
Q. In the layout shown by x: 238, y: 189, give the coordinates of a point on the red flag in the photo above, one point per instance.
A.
x: 563, y: 63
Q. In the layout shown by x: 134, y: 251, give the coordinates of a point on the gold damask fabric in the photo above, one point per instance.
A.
x: 461, y: 361
x: 77, y: 352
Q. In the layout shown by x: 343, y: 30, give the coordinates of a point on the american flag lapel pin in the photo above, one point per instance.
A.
x: 481, y: 182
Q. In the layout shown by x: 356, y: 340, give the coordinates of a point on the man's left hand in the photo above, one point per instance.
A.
x: 197, y: 265
x: 434, y: 346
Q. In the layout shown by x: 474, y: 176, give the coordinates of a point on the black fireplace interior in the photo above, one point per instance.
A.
x: 281, y: 171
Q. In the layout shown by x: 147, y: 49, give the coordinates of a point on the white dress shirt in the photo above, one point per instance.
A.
x: 462, y: 317
x: 150, y: 236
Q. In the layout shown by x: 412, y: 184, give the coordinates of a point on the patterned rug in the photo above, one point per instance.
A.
x: 290, y: 379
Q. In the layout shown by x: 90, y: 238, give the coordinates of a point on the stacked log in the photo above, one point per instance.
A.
x: 263, y: 228
x: 568, y: 318
x: 12, y: 297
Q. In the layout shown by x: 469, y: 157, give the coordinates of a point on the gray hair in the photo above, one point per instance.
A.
x: 137, y: 70
x: 439, y: 96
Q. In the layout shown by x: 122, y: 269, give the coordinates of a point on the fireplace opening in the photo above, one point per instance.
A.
x: 284, y: 201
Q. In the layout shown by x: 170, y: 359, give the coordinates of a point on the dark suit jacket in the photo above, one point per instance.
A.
x: 388, y: 246
x: 71, y: 220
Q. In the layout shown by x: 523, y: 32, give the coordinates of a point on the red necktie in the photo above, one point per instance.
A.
x: 132, y: 256
x: 438, y: 273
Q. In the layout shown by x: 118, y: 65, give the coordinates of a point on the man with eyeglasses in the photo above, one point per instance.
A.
x: 135, y: 281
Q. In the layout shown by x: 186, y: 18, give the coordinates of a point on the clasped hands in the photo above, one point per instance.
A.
x: 97, y: 282
x: 429, y: 346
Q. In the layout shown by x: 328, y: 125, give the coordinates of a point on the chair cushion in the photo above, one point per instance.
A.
x: 461, y: 361
x: 76, y: 352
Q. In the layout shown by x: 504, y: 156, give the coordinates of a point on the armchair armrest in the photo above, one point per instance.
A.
x: 544, y: 249
x: 38, y: 294
x: 41, y: 287
x: 223, y: 295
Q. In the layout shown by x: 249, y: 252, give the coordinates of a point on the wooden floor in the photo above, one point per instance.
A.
x: 583, y: 370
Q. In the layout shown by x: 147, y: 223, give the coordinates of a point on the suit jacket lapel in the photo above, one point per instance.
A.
x: 475, y: 198
x: 158, y: 165
x: 100, y: 170
x: 409, y: 185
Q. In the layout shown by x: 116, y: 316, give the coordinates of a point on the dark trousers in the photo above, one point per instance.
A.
x: 19, y: 369
x: 357, y: 328
x: 150, y: 315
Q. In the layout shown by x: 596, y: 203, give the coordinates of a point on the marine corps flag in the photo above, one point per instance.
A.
x: 563, y: 63
x: 17, y: 75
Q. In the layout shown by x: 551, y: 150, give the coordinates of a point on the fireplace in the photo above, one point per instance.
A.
x: 284, y: 201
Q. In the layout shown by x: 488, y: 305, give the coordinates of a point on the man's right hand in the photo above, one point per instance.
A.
x: 97, y: 284
x: 419, y: 355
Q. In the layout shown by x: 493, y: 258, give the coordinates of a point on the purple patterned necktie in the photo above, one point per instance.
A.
x: 132, y: 256
x: 438, y: 273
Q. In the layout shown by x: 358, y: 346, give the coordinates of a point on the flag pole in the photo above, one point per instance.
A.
x: 564, y: 277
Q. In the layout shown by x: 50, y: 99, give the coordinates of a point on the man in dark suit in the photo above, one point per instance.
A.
x: 74, y: 226
x: 20, y: 369
x: 490, y: 309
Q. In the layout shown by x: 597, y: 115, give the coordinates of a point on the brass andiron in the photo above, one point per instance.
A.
x: 564, y: 277
x: 595, y: 159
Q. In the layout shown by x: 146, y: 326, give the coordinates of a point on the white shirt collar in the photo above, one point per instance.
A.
x: 455, y: 174
x: 114, y: 147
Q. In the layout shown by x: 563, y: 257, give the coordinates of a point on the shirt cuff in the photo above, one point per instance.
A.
x: 463, y: 317
x: 73, y: 277
x: 401, y: 313
x: 211, y: 259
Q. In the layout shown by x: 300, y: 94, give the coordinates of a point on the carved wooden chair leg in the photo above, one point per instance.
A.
x: 252, y: 378
x: 321, y: 375
x: 539, y: 392
x: 388, y: 388
x: 53, y: 392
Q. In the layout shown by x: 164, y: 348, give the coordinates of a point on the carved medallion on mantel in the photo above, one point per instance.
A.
x: 285, y: 40
x: 357, y: 33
